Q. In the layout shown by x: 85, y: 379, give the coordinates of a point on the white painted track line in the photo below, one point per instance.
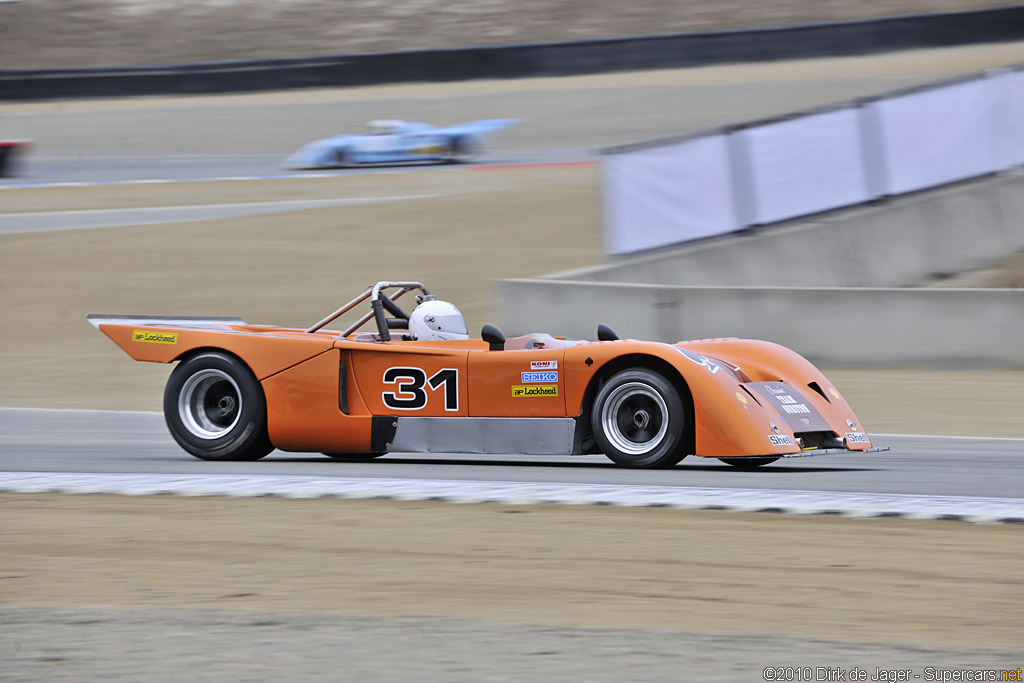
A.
x: 11, y: 223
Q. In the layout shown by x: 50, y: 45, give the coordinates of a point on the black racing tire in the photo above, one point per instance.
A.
x: 341, y: 158
x: 215, y: 408
x: 6, y: 158
x: 639, y: 420
x: 354, y: 456
x: 748, y: 463
x: 460, y: 150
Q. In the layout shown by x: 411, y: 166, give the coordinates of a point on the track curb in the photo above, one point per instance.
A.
x: 859, y: 505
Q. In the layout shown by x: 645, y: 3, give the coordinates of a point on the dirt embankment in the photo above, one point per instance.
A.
x: 857, y: 581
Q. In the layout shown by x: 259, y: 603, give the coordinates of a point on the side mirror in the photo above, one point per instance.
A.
x: 605, y: 333
x: 493, y: 336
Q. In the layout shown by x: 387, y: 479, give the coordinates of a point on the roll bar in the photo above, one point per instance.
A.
x: 378, y: 305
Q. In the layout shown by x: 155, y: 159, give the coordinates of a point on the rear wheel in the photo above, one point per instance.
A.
x: 215, y: 408
x: 639, y: 420
x: 748, y: 463
x: 461, y: 149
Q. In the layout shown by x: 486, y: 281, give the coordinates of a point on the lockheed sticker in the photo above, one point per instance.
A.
x: 521, y: 391
x: 154, y: 337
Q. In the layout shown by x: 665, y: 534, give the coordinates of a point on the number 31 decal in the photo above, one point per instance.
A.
x: 411, y: 390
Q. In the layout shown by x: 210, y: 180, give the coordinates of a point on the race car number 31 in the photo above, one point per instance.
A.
x: 411, y: 385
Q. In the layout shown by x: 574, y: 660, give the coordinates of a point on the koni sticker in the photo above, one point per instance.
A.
x: 538, y: 377
x: 543, y: 364
x: 525, y: 391
x: 151, y: 337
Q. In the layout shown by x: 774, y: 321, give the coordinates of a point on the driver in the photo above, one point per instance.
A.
x: 437, y: 320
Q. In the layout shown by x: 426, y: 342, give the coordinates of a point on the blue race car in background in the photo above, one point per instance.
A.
x: 396, y: 141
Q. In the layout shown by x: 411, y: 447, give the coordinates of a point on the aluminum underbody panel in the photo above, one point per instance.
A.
x: 521, y: 435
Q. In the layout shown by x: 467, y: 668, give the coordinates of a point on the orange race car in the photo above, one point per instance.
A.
x: 419, y: 383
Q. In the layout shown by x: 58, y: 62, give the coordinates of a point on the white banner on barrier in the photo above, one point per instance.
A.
x: 937, y: 136
x: 1007, y: 92
x: 1017, y: 113
x: 806, y: 165
x: 665, y: 195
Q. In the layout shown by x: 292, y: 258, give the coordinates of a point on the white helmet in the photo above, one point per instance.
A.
x: 437, y: 320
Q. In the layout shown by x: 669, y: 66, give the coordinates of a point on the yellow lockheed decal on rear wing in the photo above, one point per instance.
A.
x: 154, y: 337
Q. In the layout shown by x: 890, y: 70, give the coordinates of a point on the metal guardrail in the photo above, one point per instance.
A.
x: 999, y: 24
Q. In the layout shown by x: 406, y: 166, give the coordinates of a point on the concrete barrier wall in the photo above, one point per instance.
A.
x: 831, y: 326
x: 1000, y: 24
x: 898, y: 242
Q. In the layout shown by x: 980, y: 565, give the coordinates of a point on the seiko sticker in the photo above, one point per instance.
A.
x: 533, y: 390
x: 539, y: 377
x: 154, y: 337
x: 543, y: 364
x: 780, y: 439
x: 856, y: 437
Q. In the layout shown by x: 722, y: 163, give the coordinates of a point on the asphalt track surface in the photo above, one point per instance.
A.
x: 124, y: 442
x: 41, y: 171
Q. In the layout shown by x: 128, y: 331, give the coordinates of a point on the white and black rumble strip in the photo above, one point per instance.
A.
x: 907, y: 506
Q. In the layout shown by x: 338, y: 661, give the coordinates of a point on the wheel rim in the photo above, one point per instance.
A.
x: 210, y: 404
x: 635, y: 418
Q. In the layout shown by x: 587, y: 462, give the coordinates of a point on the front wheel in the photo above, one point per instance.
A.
x: 215, y: 408
x: 639, y: 420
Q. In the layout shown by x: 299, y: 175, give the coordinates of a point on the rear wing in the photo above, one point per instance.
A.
x: 165, y: 339
x: 161, y: 339
x: 97, y: 319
